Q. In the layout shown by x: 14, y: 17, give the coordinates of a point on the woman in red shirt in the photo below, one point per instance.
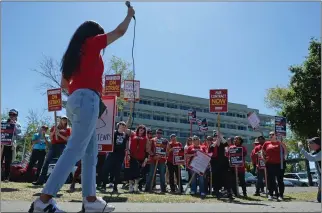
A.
x: 238, y: 142
x: 273, y: 152
x: 193, y: 150
x: 57, y: 146
x: 173, y: 169
x: 82, y: 70
x: 137, y: 156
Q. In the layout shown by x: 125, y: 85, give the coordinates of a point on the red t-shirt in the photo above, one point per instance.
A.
x: 272, y: 152
x: 193, y: 149
x: 254, y: 154
x: 160, y: 144
x: 91, y: 68
x: 64, y: 132
x: 242, y: 168
x: 137, y: 147
x: 170, y: 156
x: 214, y: 150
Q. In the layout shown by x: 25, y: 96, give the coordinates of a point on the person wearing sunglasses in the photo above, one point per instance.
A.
x: 315, y: 147
x: 58, y: 144
x: 274, y: 152
x: 137, y: 156
x: 9, y: 151
x: 158, y: 153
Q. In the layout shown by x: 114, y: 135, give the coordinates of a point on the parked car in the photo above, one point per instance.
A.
x: 299, y: 179
x: 252, y: 179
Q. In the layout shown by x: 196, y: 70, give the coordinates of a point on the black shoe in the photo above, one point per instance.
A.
x: 257, y: 194
x: 115, y: 190
x: 245, y: 194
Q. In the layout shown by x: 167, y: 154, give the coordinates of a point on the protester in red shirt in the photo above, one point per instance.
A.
x: 137, y: 157
x: 59, y: 136
x: 173, y: 169
x: 193, y: 150
x: 82, y: 70
x: 273, y: 152
x: 238, y: 142
x: 212, y: 151
x: 158, y: 153
x: 256, y: 152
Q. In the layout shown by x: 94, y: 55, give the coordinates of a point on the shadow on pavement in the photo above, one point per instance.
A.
x: 9, y: 190
x: 243, y: 203
x: 115, y: 198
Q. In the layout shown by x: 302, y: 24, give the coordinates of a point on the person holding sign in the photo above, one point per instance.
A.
x: 82, y: 70
x: 238, y: 142
x: 57, y: 146
x: 158, y: 154
x: 40, y: 141
x: 8, y: 147
x: 256, y: 160
x: 272, y: 156
x: 193, y: 150
x: 173, y: 168
x: 137, y: 156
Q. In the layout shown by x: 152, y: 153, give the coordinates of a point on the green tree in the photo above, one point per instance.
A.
x: 49, y: 68
x: 300, y: 101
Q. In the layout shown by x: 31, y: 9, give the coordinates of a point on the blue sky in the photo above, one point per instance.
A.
x: 185, y: 48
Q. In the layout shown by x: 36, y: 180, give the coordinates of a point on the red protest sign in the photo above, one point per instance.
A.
x: 218, y: 100
x: 54, y: 100
x: 236, y: 156
x: 112, y: 85
x: 178, y: 156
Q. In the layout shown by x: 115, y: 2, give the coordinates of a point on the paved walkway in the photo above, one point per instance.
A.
x: 23, y: 206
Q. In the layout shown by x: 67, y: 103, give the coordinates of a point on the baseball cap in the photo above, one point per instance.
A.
x: 315, y: 140
x: 195, y: 137
x: 173, y: 135
x: 64, y: 117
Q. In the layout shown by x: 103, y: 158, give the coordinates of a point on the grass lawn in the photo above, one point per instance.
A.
x: 28, y: 192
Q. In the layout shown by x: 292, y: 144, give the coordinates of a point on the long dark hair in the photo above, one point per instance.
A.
x: 138, y: 129
x: 71, y: 59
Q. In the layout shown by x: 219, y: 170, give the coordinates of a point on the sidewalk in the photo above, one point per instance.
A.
x: 23, y: 206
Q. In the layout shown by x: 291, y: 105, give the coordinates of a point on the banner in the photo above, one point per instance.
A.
x: 128, y: 90
x: 218, y: 100
x: 105, y: 125
x: 54, y: 100
x: 236, y: 156
x: 7, y: 131
x: 253, y: 120
x: 199, y: 163
x: 178, y: 156
x: 112, y: 85
x: 280, y: 126
x: 192, y: 116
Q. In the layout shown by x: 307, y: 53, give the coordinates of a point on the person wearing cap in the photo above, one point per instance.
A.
x: 315, y: 147
x: 260, y: 172
x: 40, y: 141
x: 8, y: 152
x: 173, y: 169
x: 158, y: 153
x: 193, y: 150
x: 58, y: 144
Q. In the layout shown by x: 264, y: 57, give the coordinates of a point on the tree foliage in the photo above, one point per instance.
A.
x: 300, y: 102
x: 49, y: 69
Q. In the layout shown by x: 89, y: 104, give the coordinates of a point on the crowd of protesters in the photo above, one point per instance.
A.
x: 137, y: 154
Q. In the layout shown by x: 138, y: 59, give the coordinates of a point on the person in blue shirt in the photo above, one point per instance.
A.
x: 40, y: 141
x: 8, y: 152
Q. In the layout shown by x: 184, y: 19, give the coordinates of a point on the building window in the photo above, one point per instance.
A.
x: 174, y: 120
x: 211, y: 124
x: 231, y: 126
x: 198, y: 110
x: 145, y: 102
x: 159, y: 104
x: 182, y: 107
x: 206, y: 110
x: 172, y: 106
x: 184, y: 121
x: 241, y: 128
x: 158, y: 117
x: 184, y: 134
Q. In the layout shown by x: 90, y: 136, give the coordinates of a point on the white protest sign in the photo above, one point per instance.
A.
x: 105, y: 125
x: 253, y: 119
x: 200, y: 162
x: 128, y: 90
